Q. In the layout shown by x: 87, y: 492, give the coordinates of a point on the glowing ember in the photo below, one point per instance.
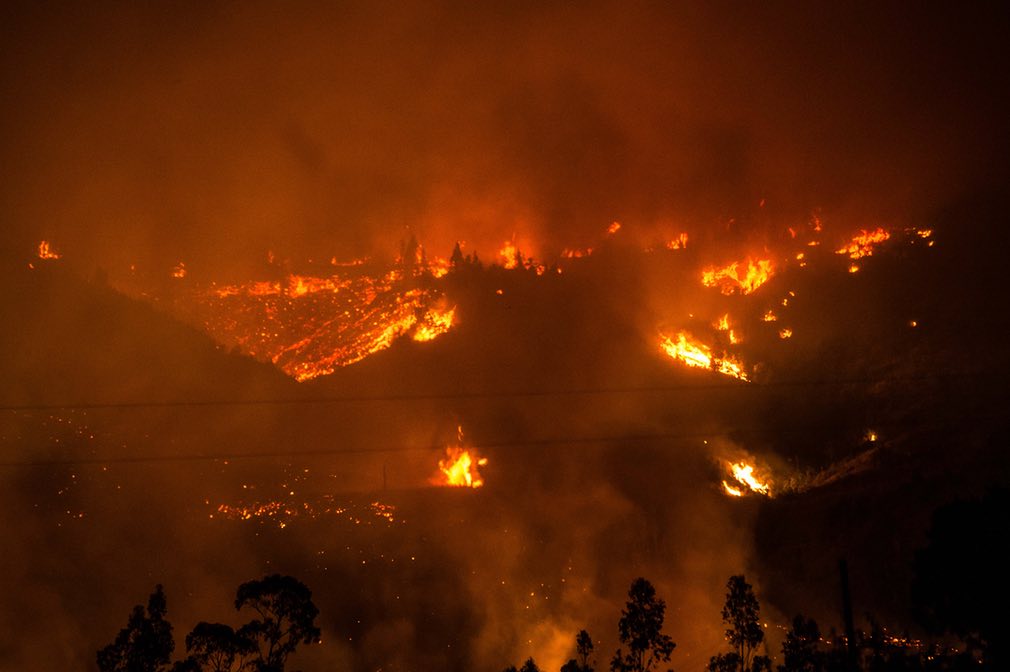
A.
x: 310, y: 326
x: 46, y: 251
x: 697, y: 354
x: 863, y: 244
x: 743, y: 474
x: 769, y: 317
x: 179, y: 271
x: 744, y: 277
x: 785, y: 333
x: 576, y: 254
x: 613, y: 228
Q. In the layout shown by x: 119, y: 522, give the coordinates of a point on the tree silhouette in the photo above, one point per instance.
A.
x: 528, y: 666
x: 583, y: 649
x: 799, y: 648
x: 744, y: 633
x: 640, y: 629
x: 215, y: 647
x: 286, y: 619
x: 145, y: 644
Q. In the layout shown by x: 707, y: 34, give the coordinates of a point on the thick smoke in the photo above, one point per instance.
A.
x: 214, y: 134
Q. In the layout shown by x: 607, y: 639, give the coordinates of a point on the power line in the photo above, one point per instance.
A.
x: 476, y: 394
x: 552, y: 442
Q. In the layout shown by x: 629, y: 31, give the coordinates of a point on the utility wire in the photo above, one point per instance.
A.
x: 506, y: 394
x: 551, y: 442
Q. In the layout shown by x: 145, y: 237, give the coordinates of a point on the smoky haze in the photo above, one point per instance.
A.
x: 214, y: 133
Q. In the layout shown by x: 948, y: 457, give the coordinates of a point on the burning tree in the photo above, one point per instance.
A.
x: 640, y: 630
x: 744, y: 633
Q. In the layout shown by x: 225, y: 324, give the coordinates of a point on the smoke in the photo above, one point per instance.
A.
x: 213, y: 134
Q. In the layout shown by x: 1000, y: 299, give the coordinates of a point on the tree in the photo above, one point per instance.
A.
x: 287, y: 618
x: 743, y: 631
x: 583, y: 649
x: 640, y: 629
x: 528, y: 666
x: 145, y: 644
x: 799, y: 649
x: 215, y: 647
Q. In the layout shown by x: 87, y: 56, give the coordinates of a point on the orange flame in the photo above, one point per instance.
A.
x: 46, y: 251
x: 179, y: 271
x: 678, y: 243
x: 697, y: 354
x: 435, y: 322
x: 613, y: 228
x: 862, y: 245
x: 743, y: 474
x: 459, y: 468
x: 745, y: 276
x: 509, y: 254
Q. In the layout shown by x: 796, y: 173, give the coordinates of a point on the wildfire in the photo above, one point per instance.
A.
x: 743, y: 474
x: 678, y: 243
x: 723, y: 325
x: 434, y: 323
x: 46, y: 251
x: 744, y: 277
x: 697, y: 354
x: 459, y: 468
x: 510, y: 255
x: 863, y: 244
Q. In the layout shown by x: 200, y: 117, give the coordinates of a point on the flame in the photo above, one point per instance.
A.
x: 862, y: 245
x: 785, y: 333
x: 46, y: 251
x: 678, y: 243
x: 744, y: 276
x: 509, y: 254
x: 179, y: 271
x: 459, y: 468
x: 613, y: 228
x: 743, y: 474
x: 435, y: 322
x: 697, y: 354
x: 723, y: 325
x: 730, y: 490
x: 576, y: 254
x: 769, y: 317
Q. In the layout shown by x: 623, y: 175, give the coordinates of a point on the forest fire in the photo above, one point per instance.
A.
x: 46, y: 251
x: 862, y: 245
x: 743, y: 277
x: 309, y: 326
x: 687, y: 350
x: 459, y: 467
x: 745, y: 481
